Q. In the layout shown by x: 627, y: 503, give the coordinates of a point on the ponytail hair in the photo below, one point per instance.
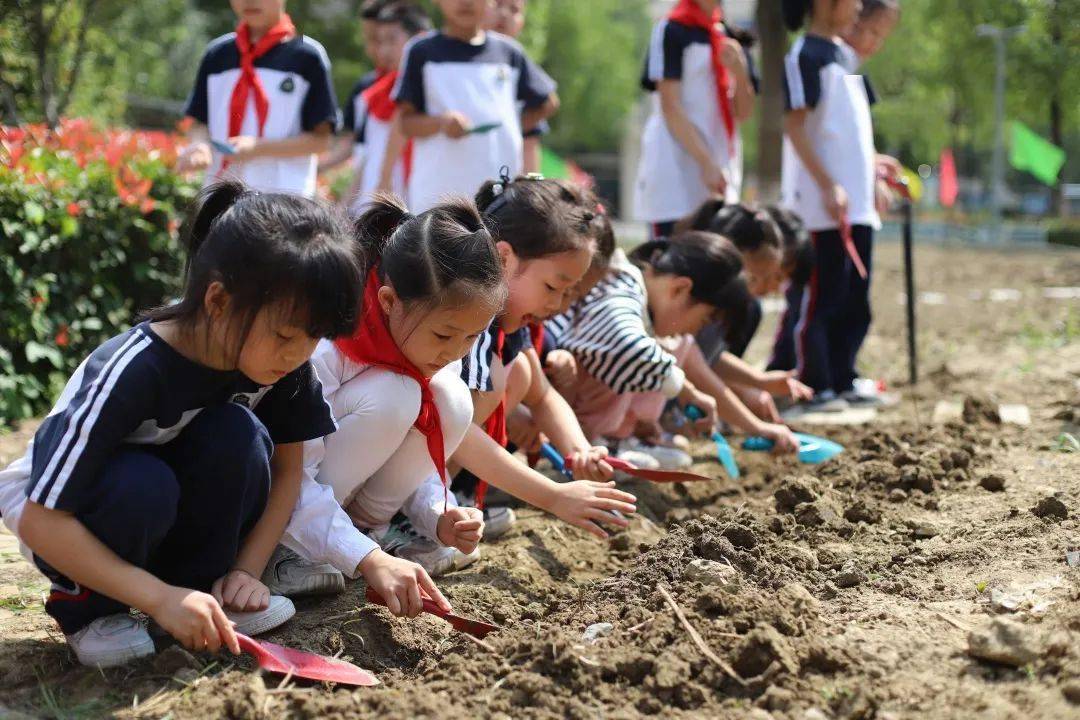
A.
x: 268, y: 249
x: 714, y: 266
x: 750, y: 229
x: 538, y: 217
x: 445, y: 254
x: 795, y: 12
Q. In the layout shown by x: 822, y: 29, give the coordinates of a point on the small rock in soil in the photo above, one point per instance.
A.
x: 1003, y: 641
x: 897, y: 495
x: 922, y: 529
x: 596, y: 631
x: 905, y: 457
x: 862, y: 511
x: 174, y: 658
x: 800, y: 558
x: 1071, y: 691
x: 795, y: 491
x: 813, y: 514
x: 763, y: 646
x: 1003, y: 602
x: 850, y: 576
x: 993, y: 482
x: 1050, y: 507
x: 710, y: 572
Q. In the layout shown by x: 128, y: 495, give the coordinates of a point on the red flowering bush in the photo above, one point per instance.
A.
x: 87, y: 240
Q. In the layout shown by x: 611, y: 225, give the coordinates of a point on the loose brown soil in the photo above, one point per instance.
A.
x: 921, y: 574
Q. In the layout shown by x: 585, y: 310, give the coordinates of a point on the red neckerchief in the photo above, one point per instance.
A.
x: 536, y: 334
x: 249, y: 81
x: 495, y: 425
x: 382, y: 106
x: 689, y: 13
x: 372, y: 344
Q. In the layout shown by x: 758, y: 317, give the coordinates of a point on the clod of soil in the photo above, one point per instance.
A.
x: 1006, y: 642
x: 992, y: 482
x: 1050, y: 507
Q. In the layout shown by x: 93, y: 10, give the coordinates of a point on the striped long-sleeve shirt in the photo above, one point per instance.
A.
x: 609, y: 334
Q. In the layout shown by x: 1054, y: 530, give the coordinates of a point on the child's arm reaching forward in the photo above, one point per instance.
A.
x: 582, y: 503
x: 556, y: 419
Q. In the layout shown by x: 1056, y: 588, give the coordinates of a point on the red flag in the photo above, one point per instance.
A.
x: 948, y: 187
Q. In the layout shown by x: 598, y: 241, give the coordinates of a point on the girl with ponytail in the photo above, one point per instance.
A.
x: 393, y: 383
x: 545, y: 232
x: 632, y: 336
x: 165, y: 474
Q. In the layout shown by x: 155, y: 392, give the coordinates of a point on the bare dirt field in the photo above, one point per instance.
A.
x: 921, y: 574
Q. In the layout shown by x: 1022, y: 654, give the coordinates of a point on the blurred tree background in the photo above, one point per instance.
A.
x: 118, y: 61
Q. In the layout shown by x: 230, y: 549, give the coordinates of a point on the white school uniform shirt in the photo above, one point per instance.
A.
x: 818, y: 76
x: 669, y: 184
x: 319, y: 528
x: 296, y: 77
x: 610, y: 334
x: 370, y: 138
x: 484, y: 82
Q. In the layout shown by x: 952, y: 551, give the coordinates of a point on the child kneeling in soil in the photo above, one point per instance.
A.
x: 631, y: 336
x: 543, y: 230
x: 760, y: 242
x: 165, y: 474
x: 394, y: 386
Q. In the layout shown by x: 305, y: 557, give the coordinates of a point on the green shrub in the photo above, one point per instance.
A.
x: 87, y: 240
x: 1064, y: 232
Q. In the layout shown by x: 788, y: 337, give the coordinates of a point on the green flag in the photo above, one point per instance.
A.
x: 1039, y: 157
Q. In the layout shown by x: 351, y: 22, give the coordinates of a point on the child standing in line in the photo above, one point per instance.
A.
x: 401, y: 406
x: 459, y: 93
x: 829, y: 181
x: 690, y: 149
x: 632, y: 338
x: 343, y: 145
x: 760, y: 243
x: 382, y: 159
x: 264, y: 92
x: 798, y: 266
x: 166, y: 472
x: 508, y: 17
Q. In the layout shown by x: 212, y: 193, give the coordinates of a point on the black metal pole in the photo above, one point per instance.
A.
x: 909, y: 279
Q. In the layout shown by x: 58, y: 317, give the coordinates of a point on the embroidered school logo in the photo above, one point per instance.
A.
x: 502, y: 75
x: 287, y: 85
x: 243, y: 399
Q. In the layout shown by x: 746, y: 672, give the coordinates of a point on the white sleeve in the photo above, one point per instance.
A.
x: 319, y: 529
x: 425, y: 506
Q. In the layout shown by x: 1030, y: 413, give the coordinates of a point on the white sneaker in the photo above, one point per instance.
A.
x: 464, y: 560
x: 638, y: 459
x: 277, y: 613
x: 291, y: 575
x: 111, y: 640
x: 668, y: 458
x: 404, y: 542
x: 498, y: 521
